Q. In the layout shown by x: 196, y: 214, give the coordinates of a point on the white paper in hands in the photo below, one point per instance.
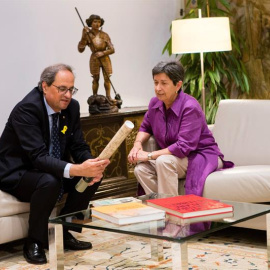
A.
x: 110, y: 148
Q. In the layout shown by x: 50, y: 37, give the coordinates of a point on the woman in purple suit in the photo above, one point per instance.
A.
x: 187, y: 147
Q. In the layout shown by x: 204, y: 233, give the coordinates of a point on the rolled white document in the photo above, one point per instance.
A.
x: 110, y: 148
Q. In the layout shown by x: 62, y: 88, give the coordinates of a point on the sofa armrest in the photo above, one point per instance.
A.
x: 211, y: 127
x: 150, y: 145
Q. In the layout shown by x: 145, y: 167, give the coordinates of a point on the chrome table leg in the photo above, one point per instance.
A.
x: 157, y: 250
x: 179, y: 256
x: 56, y: 250
x: 156, y: 244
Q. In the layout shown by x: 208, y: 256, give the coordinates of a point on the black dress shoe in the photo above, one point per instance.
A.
x: 33, y: 252
x: 70, y: 242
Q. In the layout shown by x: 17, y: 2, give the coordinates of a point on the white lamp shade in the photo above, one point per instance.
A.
x: 201, y: 35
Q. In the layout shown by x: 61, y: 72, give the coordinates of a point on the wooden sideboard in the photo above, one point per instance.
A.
x: 98, y: 130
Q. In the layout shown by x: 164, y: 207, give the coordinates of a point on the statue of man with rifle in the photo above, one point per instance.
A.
x: 101, y: 47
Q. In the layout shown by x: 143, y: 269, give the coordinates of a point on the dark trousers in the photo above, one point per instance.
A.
x: 42, y: 191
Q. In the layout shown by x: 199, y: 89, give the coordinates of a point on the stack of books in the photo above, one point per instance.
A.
x: 127, y: 212
x: 192, y: 208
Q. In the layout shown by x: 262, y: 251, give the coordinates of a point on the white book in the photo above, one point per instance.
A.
x: 114, y: 201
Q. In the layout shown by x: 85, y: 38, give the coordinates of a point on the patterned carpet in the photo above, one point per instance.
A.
x: 233, y: 248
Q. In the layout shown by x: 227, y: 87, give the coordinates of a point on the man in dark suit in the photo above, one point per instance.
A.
x: 29, y: 168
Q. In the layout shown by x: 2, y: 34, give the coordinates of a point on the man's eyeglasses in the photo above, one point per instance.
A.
x: 63, y: 90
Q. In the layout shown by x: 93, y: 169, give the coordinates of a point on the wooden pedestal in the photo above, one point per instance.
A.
x: 119, y: 179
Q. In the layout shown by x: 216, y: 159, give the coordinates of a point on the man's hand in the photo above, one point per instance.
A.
x: 95, y: 180
x: 90, y: 168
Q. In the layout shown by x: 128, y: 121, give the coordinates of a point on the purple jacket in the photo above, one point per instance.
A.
x: 183, y: 130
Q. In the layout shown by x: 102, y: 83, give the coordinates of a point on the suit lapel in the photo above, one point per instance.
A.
x: 45, y: 126
x: 46, y: 131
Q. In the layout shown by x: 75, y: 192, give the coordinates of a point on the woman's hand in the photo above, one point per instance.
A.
x: 142, y: 155
x: 134, y: 151
x: 137, y: 154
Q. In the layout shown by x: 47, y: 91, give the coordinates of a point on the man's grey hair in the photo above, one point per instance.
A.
x: 174, y: 70
x: 49, y: 73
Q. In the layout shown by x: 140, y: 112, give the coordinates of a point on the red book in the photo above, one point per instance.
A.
x: 188, y: 206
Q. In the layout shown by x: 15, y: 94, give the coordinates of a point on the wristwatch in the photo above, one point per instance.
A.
x: 149, y: 156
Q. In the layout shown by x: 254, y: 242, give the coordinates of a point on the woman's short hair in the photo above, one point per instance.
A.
x: 174, y: 70
x: 92, y: 18
x: 49, y: 73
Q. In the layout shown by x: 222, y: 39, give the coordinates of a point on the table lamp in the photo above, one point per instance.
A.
x: 199, y: 35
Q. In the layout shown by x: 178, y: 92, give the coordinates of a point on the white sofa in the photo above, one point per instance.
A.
x: 14, y: 217
x: 242, y: 131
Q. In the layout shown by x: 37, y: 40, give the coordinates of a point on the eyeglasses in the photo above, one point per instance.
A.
x: 63, y: 90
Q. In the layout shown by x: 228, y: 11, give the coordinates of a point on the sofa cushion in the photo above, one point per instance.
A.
x: 242, y: 184
x: 13, y: 227
x: 11, y: 205
x: 242, y: 131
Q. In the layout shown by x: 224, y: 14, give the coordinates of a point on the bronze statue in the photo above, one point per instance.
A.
x: 101, y: 47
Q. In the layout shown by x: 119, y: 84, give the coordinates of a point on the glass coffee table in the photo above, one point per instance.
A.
x: 176, y: 233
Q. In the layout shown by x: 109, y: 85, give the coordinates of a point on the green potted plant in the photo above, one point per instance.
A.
x: 224, y: 72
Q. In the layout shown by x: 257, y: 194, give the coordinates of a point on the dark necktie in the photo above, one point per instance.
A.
x: 55, y: 137
x: 56, y: 145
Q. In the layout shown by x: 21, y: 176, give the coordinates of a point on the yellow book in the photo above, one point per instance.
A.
x: 127, y: 213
